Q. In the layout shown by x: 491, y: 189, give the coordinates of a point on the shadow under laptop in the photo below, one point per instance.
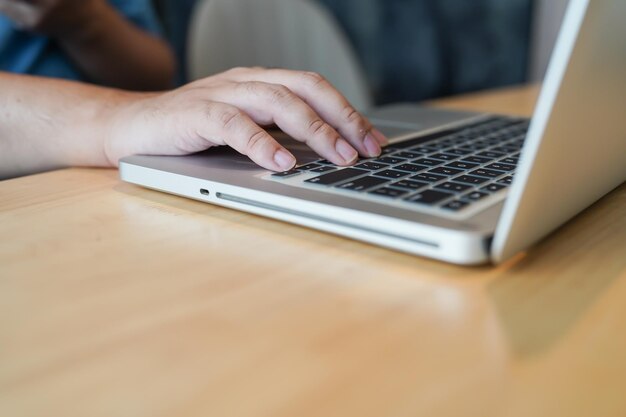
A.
x: 548, y: 292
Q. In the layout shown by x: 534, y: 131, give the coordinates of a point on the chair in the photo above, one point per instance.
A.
x: 293, y: 34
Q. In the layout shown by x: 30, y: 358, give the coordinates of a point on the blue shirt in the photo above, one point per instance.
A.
x: 29, y: 53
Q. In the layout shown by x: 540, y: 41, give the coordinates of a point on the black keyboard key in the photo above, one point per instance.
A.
x: 286, y: 174
x: 446, y: 171
x: 373, y: 166
x: 481, y: 142
x: 428, y: 162
x: 324, y: 162
x: 389, y: 160
x: 428, y: 177
x: 461, y: 165
x: 501, y: 167
x: 411, y: 167
x: 459, y: 151
x: 460, y: 141
x: 322, y: 169
x: 445, y: 156
x: 510, y: 160
x: 420, y: 141
x: 490, y: 154
x: 483, y: 172
x: 388, y: 149
x: 475, y: 195
x: 493, y: 141
x: 337, y: 176
x: 455, y: 205
x: 410, y: 184
x: 392, y: 173
x: 429, y: 197
x: 389, y: 192
x: 473, y: 147
x: 447, y: 143
x: 480, y: 146
x: 407, y: 155
x: 476, y: 159
x: 436, y: 145
x: 469, y: 179
x: 362, y: 184
x: 425, y: 149
x: 493, y: 188
x: 506, y: 181
x: 506, y: 149
x: 308, y: 166
x: 453, y: 187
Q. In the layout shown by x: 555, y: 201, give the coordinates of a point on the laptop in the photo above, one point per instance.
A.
x: 461, y: 187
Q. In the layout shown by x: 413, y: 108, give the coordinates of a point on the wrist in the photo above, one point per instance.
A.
x: 120, y: 122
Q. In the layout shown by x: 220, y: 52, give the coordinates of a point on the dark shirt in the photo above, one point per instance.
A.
x: 418, y: 49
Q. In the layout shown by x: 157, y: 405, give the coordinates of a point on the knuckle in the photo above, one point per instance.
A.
x: 281, y: 94
x: 314, y: 80
x: 318, y: 127
x: 251, y: 88
x: 351, y: 115
x: 236, y: 70
x: 241, y: 70
x: 354, y: 118
x: 225, y: 116
x: 275, y: 94
x: 256, y: 141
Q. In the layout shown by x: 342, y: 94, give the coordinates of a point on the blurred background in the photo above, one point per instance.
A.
x: 403, y: 50
x: 375, y: 51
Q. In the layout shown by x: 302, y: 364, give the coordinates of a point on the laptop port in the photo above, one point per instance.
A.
x: 204, y: 191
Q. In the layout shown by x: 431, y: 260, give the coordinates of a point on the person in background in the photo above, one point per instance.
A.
x: 114, y: 43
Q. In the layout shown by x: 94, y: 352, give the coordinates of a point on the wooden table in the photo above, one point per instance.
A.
x: 120, y: 301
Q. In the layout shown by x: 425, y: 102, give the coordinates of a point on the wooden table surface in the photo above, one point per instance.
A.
x: 120, y: 301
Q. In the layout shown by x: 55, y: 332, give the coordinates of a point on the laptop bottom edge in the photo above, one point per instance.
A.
x: 462, y: 248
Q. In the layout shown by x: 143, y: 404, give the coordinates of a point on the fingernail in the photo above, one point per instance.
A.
x: 380, y: 138
x: 346, y: 151
x: 284, y: 160
x: 372, y: 146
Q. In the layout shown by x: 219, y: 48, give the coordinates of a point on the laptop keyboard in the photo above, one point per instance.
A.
x: 450, y: 170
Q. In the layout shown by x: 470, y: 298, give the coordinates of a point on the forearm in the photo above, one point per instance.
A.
x: 112, y: 51
x: 47, y: 124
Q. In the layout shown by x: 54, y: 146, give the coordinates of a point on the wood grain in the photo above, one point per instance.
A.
x: 120, y: 301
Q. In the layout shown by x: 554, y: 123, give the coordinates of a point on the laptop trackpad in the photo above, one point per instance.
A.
x: 401, y: 119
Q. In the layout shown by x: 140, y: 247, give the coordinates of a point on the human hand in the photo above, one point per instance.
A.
x: 230, y: 108
x: 51, y: 17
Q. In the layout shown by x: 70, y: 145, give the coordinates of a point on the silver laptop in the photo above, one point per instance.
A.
x: 461, y: 187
